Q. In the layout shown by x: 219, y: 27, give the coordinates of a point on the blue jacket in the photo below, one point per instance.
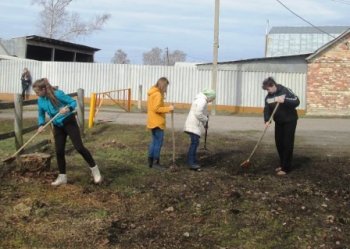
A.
x: 45, y: 106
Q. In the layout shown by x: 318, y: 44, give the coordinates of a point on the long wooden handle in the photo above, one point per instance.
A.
x: 206, y: 133
x: 30, y: 139
x: 262, y: 135
x: 173, y: 134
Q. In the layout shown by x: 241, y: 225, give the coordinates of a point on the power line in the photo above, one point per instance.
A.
x: 304, y: 19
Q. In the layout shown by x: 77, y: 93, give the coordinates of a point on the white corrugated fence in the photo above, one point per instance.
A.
x: 234, y: 88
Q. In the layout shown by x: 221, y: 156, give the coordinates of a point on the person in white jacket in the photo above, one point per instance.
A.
x: 196, y: 119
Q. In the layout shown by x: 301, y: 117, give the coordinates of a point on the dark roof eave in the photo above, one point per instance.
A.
x: 59, y: 42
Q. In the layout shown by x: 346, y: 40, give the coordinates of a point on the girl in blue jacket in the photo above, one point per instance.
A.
x: 53, y: 101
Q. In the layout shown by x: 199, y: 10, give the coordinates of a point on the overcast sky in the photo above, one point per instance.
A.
x: 136, y: 26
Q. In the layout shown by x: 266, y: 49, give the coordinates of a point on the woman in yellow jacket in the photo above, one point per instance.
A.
x: 156, y: 119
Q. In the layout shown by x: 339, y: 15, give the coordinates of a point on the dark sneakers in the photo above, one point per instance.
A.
x: 150, y: 162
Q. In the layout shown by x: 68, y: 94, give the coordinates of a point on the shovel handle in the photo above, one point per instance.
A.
x: 173, y: 134
x: 206, y: 133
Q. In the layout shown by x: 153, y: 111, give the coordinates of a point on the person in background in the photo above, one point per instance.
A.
x: 26, y: 80
x: 285, y: 120
x: 156, y: 111
x: 196, y: 119
x: 53, y: 101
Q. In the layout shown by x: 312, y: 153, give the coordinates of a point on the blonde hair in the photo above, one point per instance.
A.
x: 162, y: 84
x: 42, y: 84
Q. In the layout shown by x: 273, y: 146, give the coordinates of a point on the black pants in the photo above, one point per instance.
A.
x: 71, y: 129
x: 25, y: 87
x: 284, y: 138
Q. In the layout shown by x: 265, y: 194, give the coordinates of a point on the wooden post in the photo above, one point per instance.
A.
x: 139, y: 103
x: 129, y: 99
x: 18, y: 125
x: 80, y: 110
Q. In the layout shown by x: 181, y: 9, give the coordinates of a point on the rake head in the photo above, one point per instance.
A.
x: 245, y: 164
x: 173, y: 167
x: 9, y: 159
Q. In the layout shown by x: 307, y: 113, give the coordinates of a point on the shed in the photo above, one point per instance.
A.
x: 47, y: 49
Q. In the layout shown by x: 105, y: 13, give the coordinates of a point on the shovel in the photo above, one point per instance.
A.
x: 247, y: 163
x: 206, y: 135
x: 173, y: 135
x: 173, y: 166
x: 13, y: 157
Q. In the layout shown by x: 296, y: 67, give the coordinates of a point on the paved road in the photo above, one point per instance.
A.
x: 323, y: 132
x: 221, y: 123
x: 218, y: 123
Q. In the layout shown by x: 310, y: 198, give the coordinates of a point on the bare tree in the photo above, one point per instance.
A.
x: 157, y: 57
x: 120, y: 57
x: 153, y: 57
x: 56, y: 22
x: 176, y: 56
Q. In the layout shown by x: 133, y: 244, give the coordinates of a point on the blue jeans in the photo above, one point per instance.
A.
x: 156, y: 144
x: 192, y: 151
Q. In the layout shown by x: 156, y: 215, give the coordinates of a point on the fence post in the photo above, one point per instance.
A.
x: 92, y: 109
x: 18, y: 125
x: 129, y: 99
x: 139, y: 103
x: 80, y: 110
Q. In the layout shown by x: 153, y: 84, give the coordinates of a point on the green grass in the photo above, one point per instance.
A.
x: 137, y: 207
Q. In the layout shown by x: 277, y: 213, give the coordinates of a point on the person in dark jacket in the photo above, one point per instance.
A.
x: 26, y: 80
x: 53, y: 101
x: 285, y: 120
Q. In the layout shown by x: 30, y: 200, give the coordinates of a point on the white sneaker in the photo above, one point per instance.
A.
x: 96, y: 174
x: 60, y: 180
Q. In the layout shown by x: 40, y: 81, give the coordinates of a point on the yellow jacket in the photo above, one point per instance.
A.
x: 156, y: 109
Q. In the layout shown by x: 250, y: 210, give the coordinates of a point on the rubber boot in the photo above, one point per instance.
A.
x: 96, y: 174
x: 150, y: 162
x: 60, y: 180
x: 157, y: 165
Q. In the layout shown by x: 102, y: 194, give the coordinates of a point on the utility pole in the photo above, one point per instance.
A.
x: 167, y: 56
x: 215, y: 52
x: 267, y: 36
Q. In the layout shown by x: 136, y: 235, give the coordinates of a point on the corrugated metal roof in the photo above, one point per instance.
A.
x: 260, y: 59
x: 308, y: 30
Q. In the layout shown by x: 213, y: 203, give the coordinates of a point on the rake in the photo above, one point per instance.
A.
x: 13, y: 157
x: 247, y: 163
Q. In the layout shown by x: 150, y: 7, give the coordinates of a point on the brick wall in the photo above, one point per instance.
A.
x: 328, y: 81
